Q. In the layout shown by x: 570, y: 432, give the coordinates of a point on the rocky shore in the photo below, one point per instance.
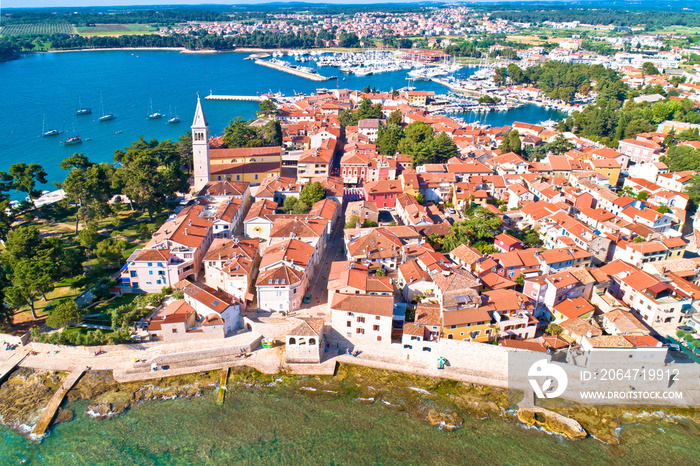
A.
x: 442, y: 403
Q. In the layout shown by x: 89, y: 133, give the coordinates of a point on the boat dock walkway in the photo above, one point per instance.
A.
x: 9, y: 365
x: 50, y: 411
x: 223, y: 382
x: 248, y: 98
x: 295, y: 72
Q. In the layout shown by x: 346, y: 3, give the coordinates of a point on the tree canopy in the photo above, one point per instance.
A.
x: 479, y: 229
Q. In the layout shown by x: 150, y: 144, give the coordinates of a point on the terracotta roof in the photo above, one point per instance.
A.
x: 428, y: 314
x: 409, y: 328
x: 308, y: 327
x: 364, y: 304
x: 465, y: 316
x: 176, y: 311
x: 574, y: 308
x: 245, y: 152
x: 280, y: 275
x: 224, y: 188
x: 215, y: 300
x: 292, y: 251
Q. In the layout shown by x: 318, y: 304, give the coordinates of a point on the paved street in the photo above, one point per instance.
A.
x: 318, y: 307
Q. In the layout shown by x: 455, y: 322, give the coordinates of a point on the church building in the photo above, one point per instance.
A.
x: 250, y: 164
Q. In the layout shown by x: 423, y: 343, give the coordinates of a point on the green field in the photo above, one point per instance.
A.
x: 36, y: 28
x: 115, y: 29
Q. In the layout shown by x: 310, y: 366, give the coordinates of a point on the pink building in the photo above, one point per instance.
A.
x: 383, y: 192
x: 640, y: 151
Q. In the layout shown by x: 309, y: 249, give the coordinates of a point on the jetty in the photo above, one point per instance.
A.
x: 223, y: 382
x: 247, y: 98
x: 9, y: 365
x: 296, y: 72
x: 50, y: 411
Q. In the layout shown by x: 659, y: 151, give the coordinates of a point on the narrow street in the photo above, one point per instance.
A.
x: 319, y: 293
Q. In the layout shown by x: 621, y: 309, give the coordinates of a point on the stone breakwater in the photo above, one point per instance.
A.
x: 294, y: 71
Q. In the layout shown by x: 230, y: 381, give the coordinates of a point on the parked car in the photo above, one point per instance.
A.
x: 686, y: 329
x: 674, y: 347
x: 307, y: 298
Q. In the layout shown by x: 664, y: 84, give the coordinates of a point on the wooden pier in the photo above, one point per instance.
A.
x: 50, y: 411
x: 223, y: 381
x: 247, y: 98
x: 294, y: 71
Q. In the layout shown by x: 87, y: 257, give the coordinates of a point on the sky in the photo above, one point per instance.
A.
x: 69, y: 3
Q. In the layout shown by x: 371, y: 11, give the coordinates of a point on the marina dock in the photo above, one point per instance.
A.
x: 50, y: 411
x: 294, y: 71
x: 247, y: 98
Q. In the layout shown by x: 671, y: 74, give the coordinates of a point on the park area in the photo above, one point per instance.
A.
x: 91, y: 290
x: 116, y: 29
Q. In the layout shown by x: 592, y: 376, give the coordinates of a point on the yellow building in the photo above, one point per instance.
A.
x: 609, y: 168
x: 251, y: 164
x: 468, y: 324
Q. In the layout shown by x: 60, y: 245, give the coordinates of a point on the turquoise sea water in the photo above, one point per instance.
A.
x: 46, y: 86
x: 288, y: 427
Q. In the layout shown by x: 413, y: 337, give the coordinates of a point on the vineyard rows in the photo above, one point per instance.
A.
x: 36, y: 28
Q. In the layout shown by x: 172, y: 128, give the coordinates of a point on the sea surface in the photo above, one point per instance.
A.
x: 43, y: 90
x: 293, y: 428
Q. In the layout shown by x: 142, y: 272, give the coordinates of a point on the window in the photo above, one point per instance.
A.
x: 150, y: 272
x: 174, y: 330
x: 378, y: 338
x: 361, y: 320
x: 150, y: 264
x: 377, y: 318
x: 428, y: 349
x: 292, y: 341
x: 133, y: 273
x: 256, y: 177
x: 349, y: 324
x: 238, y: 177
x: 360, y: 331
x: 375, y: 328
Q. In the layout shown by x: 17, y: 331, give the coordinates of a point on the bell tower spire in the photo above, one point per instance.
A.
x: 200, y: 148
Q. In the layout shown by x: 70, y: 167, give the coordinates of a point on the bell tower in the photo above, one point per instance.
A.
x: 200, y: 148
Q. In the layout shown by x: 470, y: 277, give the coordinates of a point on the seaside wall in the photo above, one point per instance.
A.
x: 6, y: 338
x: 214, y: 353
x: 489, y: 361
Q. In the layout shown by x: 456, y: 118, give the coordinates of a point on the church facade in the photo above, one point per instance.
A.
x: 249, y: 164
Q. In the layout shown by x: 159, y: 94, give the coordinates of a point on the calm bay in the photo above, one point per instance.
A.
x: 43, y: 90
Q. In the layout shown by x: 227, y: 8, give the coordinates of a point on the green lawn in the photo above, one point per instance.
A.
x: 83, y: 330
x: 116, y: 29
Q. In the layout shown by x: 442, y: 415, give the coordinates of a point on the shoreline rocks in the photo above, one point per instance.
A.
x: 444, y: 404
